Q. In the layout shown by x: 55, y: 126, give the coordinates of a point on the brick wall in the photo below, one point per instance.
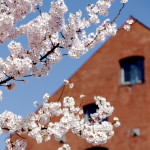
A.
x: 100, y: 75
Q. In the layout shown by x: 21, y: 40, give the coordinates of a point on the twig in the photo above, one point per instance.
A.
x: 49, y: 52
x: 19, y: 80
x: 43, y: 57
x: 92, y: 41
x: 111, y: 23
x: 38, y: 8
x: 61, y: 93
x: 62, y: 35
x: 29, y: 75
x: 118, y: 13
x: 6, y: 80
x: 65, y: 54
x: 81, y: 102
x: 20, y: 136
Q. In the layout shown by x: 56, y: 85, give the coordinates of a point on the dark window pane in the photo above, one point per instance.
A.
x: 126, y: 68
x: 133, y: 73
x: 140, y: 64
x: 132, y: 70
x: 90, y: 109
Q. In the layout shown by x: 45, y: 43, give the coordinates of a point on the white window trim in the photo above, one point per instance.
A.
x: 123, y: 82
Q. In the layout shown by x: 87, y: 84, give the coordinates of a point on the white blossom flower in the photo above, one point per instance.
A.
x: 115, y: 118
x: 130, y: 21
x: 39, y: 126
x: 66, y: 81
x: 46, y: 96
x: 35, y: 103
x: 126, y: 27
x: 46, y: 35
x: 65, y: 147
x: 17, y: 145
x: 82, y: 96
x: 117, y: 124
x: 68, y: 101
x: 124, y: 1
x: 71, y: 85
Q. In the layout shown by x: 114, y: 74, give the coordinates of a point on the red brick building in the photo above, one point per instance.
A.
x: 119, y: 71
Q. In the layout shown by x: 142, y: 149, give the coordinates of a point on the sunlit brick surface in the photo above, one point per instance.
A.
x: 100, y: 75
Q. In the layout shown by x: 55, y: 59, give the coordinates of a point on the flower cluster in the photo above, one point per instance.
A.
x: 65, y: 147
x: 10, y: 12
x: 105, y: 109
x: 47, y: 34
x: 41, y: 127
x: 128, y: 25
x: 100, y: 8
x: 17, y: 145
x: 9, y: 121
x: 124, y: 1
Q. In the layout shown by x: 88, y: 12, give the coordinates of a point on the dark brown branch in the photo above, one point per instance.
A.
x: 111, y: 23
x: 43, y: 57
x: 6, y: 80
x: 54, y: 47
x: 92, y: 41
x: 20, y: 136
x: 29, y: 75
x: 19, y: 80
x: 61, y: 93
x: 51, y: 41
x: 81, y: 103
x: 62, y: 35
x: 6, y: 129
x: 118, y: 13
x: 49, y: 52
x: 38, y: 8
x: 65, y: 54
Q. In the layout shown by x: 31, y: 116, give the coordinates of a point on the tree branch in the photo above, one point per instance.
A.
x: 43, y: 57
x: 49, y: 52
x: 118, y: 13
x: 6, y: 80
x: 61, y: 93
x: 111, y: 23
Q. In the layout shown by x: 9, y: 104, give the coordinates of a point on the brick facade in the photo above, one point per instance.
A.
x: 100, y: 75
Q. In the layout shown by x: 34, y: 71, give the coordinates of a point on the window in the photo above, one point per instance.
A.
x: 132, y: 70
x: 90, y: 109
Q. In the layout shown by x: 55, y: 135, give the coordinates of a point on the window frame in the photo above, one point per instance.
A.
x: 133, y: 60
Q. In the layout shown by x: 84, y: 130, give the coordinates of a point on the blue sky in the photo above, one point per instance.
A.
x: 20, y: 100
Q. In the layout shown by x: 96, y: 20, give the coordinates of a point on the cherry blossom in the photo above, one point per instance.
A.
x: 48, y: 35
x: 127, y: 26
x: 65, y: 147
x: 124, y: 1
x: 40, y: 127
x: 17, y: 145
